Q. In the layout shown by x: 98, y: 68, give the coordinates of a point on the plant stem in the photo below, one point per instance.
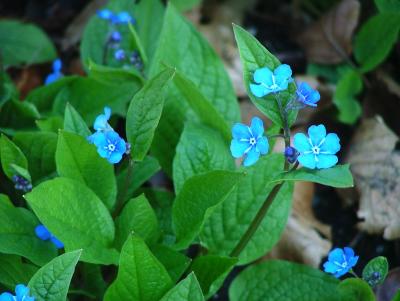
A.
x: 122, y: 194
x: 354, y: 273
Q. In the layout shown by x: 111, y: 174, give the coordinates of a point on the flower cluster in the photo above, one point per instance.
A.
x: 116, y: 18
x: 109, y: 144
x: 44, y: 234
x: 21, y: 294
x: 21, y: 183
x: 340, y: 261
x: 56, y: 74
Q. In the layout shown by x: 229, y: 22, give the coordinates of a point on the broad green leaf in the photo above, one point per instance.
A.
x: 183, y: 5
x: 140, y: 276
x: 138, y: 217
x: 22, y: 43
x: 230, y: 220
x: 21, y: 171
x: 39, y: 148
x: 77, y: 217
x: 17, y: 236
x: 377, y: 265
x: 141, y: 172
x: 18, y: 114
x: 52, y: 281
x: 388, y: 6
x: 7, y: 88
x: 349, y: 85
x: 281, y: 280
x: 375, y: 40
x: 144, y: 114
x: 11, y: 154
x: 77, y: 159
x: 338, y: 176
x: 74, y: 123
x: 353, y: 289
x: 5, y: 200
x: 211, y: 268
x: 51, y: 124
x: 197, y: 199
x: 254, y: 56
x: 187, y: 289
x: 13, y: 271
x: 199, y: 150
x: 202, y: 107
x: 114, y: 75
x: 174, y: 262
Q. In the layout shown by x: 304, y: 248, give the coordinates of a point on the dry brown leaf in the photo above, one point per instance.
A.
x: 376, y: 170
x: 329, y: 40
x: 301, y: 241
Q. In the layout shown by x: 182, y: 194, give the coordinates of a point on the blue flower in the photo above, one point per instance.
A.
x: 101, y: 121
x: 56, y: 74
x: 22, y: 294
x: 317, y: 151
x: 105, y: 14
x: 307, y: 95
x: 123, y: 18
x: 115, y: 37
x: 249, y: 141
x: 110, y: 146
x: 119, y: 54
x: 21, y: 183
x: 44, y: 234
x: 271, y: 82
x: 340, y: 261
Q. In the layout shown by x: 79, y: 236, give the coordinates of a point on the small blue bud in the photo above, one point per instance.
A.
x: 119, y: 54
x: 115, y: 37
x: 291, y: 154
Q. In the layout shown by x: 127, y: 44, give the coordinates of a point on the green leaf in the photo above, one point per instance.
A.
x: 196, y: 201
x: 22, y: 43
x: 136, y: 43
x: 52, y: 281
x: 375, y: 40
x: 377, y: 265
x: 77, y: 217
x: 338, y: 176
x: 114, y: 75
x: 396, y: 297
x: 211, y: 268
x: 138, y: 217
x: 174, y: 262
x: 187, y: 289
x: 225, y: 227
x: 51, y: 124
x: 203, y: 108
x: 11, y: 154
x: 183, y: 5
x: 13, y: 271
x: 281, y: 280
x: 93, y: 279
x: 144, y: 114
x: 40, y: 149
x: 140, y: 276
x: 74, y: 123
x: 18, y: 114
x: 388, y: 6
x: 21, y: 171
x: 349, y: 85
x: 17, y: 235
x: 199, y: 150
x: 254, y: 56
x: 353, y: 289
x: 77, y: 159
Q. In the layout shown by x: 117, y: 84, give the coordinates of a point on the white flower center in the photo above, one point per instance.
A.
x: 252, y: 141
x: 110, y: 147
x: 315, y: 150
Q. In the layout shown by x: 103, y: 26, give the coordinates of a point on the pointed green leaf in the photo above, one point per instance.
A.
x: 74, y: 123
x: 11, y: 154
x: 114, y: 75
x: 77, y: 159
x: 13, y: 271
x: 52, y: 281
x: 140, y: 276
x: 187, y: 289
x: 77, y: 217
x: 51, y: 124
x: 375, y: 272
x: 198, y: 198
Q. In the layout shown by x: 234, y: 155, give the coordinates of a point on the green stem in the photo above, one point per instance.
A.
x: 354, y: 273
x: 122, y: 194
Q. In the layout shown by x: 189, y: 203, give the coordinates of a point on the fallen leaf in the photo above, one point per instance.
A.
x: 329, y: 40
x: 390, y: 287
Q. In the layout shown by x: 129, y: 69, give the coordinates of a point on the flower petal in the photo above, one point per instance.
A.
x: 120, y: 146
x: 259, y: 90
x: 107, y: 112
x: 240, y: 131
x: 262, y: 145
x: 42, y: 232
x: 257, y: 127
x: 301, y: 143
x: 115, y: 157
x: 314, y: 96
x: 353, y: 261
x: 21, y: 291
x: 99, y: 139
x: 330, y: 267
x: 103, y: 152
x: 348, y: 252
x: 263, y: 75
x: 316, y: 134
x: 57, y: 65
x: 52, y: 77
x: 326, y: 161
x: 56, y: 242
x: 252, y: 156
x: 307, y: 160
x: 283, y: 75
x: 6, y: 297
x: 331, y: 144
x: 336, y: 255
x: 238, y: 148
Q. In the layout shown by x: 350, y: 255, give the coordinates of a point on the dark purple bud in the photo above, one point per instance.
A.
x: 21, y: 183
x: 291, y: 154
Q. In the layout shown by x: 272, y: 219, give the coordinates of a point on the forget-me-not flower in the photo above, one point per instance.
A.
x: 248, y: 141
x: 115, y: 18
x: 119, y: 54
x: 21, y: 294
x: 340, y: 261
x: 56, y: 74
x: 44, y: 234
x: 307, y: 95
x: 319, y: 149
x: 267, y: 82
x: 110, y: 146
